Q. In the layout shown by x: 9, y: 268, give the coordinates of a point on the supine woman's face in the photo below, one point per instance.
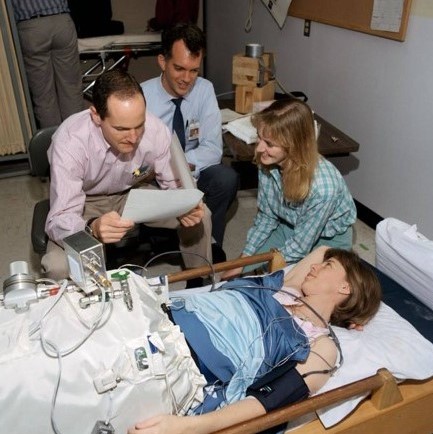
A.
x: 328, y: 277
x: 269, y: 152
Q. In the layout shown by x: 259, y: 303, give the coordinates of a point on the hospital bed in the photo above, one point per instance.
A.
x: 383, y: 403
x: 104, y: 53
x: 391, y: 406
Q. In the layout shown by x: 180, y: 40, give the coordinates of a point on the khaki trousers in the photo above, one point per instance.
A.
x: 195, y: 242
x: 50, y: 53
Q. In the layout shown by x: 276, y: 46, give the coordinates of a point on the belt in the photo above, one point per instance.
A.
x: 42, y: 16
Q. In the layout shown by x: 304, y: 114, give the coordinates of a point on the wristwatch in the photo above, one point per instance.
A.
x: 88, y: 227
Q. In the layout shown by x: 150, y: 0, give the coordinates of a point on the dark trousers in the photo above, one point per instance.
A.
x: 219, y: 184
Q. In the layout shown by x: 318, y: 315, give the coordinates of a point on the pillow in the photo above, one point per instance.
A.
x: 387, y: 341
x: 405, y: 254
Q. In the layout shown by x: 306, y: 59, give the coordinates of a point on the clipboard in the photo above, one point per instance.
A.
x: 180, y: 166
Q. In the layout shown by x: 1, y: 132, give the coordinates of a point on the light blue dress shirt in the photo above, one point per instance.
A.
x: 201, y: 114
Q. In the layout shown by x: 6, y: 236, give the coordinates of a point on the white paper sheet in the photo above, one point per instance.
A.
x: 228, y: 115
x: 243, y: 129
x: 179, y: 165
x: 144, y: 206
x: 278, y: 9
x: 387, y: 15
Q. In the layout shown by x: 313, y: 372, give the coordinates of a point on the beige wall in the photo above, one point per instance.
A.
x: 133, y: 13
x: 422, y: 8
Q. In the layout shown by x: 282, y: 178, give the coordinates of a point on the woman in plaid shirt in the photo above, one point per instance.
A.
x: 303, y: 201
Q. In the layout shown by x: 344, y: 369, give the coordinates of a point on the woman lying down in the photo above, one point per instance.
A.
x: 265, y: 342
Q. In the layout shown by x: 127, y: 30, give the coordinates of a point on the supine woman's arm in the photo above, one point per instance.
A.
x: 297, y: 274
x: 206, y: 423
x: 322, y: 357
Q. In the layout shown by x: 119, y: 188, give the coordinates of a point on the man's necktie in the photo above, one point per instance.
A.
x: 178, y: 125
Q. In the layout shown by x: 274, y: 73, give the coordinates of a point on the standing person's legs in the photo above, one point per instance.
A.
x: 35, y: 40
x: 219, y: 184
x: 66, y: 64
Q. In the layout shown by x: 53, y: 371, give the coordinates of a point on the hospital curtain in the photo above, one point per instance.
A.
x: 15, y: 127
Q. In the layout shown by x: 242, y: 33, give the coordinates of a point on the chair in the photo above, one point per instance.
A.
x: 40, y: 166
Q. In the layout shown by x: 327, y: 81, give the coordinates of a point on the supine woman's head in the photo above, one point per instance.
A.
x: 365, y: 291
x: 286, y: 138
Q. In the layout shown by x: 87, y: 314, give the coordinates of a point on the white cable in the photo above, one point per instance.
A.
x: 327, y: 325
x: 129, y: 266
x: 110, y: 408
x: 286, y: 92
x: 92, y: 328
x: 212, y: 273
x: 249, y: 21
x: 100, y: 314
x: 283, y: 89
x: 56, y: 389
x: 225, y: 93
x: 56, y: 298
x: 46, y: 280
x: 52, y: 350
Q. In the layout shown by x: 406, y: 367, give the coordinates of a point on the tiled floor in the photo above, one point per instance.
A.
x: 19, y: 194
x: 364, y: 242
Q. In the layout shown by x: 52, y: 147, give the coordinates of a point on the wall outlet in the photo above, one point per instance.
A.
x: 307, y: 27
x: 278, y: 9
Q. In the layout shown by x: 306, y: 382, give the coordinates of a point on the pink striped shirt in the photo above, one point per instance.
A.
x: 83, y: 163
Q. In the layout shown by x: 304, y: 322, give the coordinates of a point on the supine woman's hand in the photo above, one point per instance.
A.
x: 206, y: 423
x: 165, y: 424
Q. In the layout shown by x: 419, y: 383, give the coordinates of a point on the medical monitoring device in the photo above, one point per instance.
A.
x: 86, y: 261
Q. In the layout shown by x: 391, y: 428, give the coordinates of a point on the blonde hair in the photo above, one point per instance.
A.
x: 290, y: 124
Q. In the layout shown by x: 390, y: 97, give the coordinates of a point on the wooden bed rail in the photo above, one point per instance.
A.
x: 273, y: 258
x: 383, y: 386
